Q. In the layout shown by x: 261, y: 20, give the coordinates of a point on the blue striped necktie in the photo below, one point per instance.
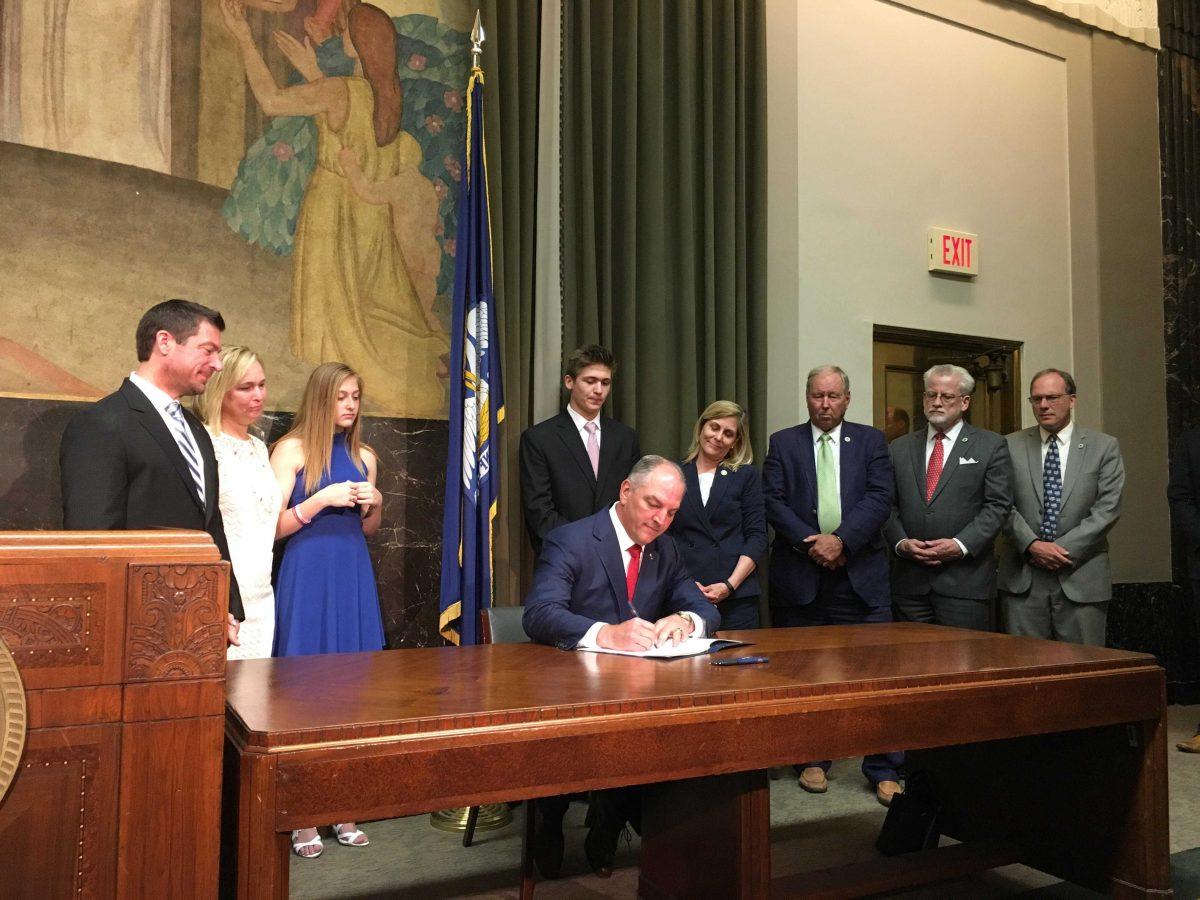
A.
x: 187, y: 446
x: 1051, y: 490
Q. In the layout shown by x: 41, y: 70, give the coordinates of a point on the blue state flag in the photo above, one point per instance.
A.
x: 476, y: 402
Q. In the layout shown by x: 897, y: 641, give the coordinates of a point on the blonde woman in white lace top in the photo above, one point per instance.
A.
x: 250, y: 499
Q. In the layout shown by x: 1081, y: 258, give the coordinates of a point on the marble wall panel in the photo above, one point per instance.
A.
x: 1159, y: 618
x: 1179, y: 137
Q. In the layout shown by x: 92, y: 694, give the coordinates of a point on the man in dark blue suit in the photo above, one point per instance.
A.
x: 613, y: 580
x: 829, y: 488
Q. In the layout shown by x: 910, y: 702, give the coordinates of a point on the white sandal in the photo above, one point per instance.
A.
x: 350, y: 838
x: 299, y: 846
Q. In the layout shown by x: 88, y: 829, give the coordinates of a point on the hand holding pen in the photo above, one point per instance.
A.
x: 632, y: 634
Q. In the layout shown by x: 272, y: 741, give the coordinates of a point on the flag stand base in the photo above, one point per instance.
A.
x: 492, y: 817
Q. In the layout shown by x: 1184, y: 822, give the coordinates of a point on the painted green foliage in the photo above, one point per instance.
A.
x: 433, y: 63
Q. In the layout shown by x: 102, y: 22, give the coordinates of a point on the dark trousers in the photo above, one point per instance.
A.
x: 610, y: 808
x: 1195, y: 584
x: 942, y: 609
x: 738, y: 614
x: 836, y: 603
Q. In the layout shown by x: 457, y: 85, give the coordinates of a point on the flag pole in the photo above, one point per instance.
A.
x: 477, y: 408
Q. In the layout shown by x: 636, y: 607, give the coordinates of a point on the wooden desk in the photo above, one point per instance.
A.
x: 1073, y: 774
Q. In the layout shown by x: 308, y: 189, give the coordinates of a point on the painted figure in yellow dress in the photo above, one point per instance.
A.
x: 353, y: 297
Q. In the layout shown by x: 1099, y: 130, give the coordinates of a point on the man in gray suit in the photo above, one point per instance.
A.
x: 1055, y: 579
x: 953, y: 494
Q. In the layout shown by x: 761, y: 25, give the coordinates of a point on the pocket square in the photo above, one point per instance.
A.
x: 963, y: 461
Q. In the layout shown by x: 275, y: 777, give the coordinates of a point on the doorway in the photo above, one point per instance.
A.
x: 901, y: 356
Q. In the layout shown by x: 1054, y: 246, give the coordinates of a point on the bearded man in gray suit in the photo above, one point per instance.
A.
x: 1055, y: 578
x: 953, y: 494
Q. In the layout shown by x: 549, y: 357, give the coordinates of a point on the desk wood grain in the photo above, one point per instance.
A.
x: 361, y: 736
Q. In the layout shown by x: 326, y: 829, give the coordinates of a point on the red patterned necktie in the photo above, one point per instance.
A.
x: 934, y: 472
x: 631, y: 574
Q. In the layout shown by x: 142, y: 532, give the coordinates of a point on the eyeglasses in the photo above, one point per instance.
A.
x: 946, y: 398
x: 1048, y: 398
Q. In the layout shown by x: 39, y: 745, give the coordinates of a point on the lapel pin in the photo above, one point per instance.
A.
x: 846, y: 439
x: 724, y: 471
x: 964, y: 440
x: 1079, y: 446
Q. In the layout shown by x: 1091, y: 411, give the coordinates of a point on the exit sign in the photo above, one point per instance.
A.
x: 956, y: 252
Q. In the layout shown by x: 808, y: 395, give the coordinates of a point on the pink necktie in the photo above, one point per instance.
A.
x: 593, y: 446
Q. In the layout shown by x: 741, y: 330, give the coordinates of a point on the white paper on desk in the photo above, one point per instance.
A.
x: 689, y: 647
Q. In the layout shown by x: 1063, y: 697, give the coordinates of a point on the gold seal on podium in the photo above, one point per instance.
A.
x: 12, y: 718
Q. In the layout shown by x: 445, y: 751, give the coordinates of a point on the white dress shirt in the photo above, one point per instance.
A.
x: 1064, y: 446
x: 160, y: 400
x: 706, y: 481
x: 947, y: 444
x: 624, y: 542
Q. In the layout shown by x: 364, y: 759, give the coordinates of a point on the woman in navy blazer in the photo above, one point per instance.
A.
x: 721, y: 526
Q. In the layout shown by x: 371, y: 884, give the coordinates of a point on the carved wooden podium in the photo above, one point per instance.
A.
x: 120, y: 640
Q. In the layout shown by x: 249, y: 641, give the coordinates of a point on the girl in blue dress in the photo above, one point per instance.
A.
x: 325, y: 595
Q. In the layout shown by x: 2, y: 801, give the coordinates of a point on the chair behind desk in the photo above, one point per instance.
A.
x: 120, y: 642
x: 502, y: 625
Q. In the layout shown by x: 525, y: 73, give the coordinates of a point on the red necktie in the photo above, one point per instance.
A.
x: 934, y: 472
x: 631, y: 574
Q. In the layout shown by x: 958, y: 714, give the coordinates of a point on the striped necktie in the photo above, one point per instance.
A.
x: 187, y: 446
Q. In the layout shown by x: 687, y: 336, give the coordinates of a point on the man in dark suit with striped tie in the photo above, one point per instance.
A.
x: 136, y: 459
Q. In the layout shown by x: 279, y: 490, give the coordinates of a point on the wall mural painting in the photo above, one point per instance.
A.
x: 351, y: 124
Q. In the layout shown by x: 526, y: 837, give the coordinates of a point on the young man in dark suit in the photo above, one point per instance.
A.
x: 136, y: 459
x: 572, y: 464
x: 828, y: 487
x: 613, y: 580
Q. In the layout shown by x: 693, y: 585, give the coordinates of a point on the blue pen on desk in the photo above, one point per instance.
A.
x: 741, y: 661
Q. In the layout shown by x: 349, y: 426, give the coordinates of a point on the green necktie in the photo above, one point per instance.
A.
x: 829, y: 505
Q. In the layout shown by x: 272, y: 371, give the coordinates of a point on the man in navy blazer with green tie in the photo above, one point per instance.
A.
x: 828, y: 486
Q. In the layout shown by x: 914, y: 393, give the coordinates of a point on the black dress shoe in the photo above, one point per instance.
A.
x: 600, y: 847
x: 548, y: 841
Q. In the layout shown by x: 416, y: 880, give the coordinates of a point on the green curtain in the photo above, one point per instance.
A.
x: 510, y: 63
x: 664, y: 212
